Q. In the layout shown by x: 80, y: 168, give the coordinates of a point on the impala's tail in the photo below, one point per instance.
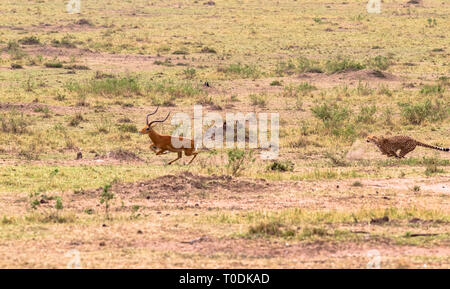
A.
x: 433, y: 147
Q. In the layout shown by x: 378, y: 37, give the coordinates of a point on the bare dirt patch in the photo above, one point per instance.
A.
x: 176, y: 186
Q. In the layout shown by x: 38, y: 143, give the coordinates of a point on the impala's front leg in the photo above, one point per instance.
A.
x: 153, y: 148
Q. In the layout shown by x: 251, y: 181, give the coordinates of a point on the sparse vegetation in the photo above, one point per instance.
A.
x: 76, y: 88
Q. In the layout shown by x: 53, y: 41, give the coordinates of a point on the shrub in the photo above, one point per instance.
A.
x: 238, y: 160
x: 13, y: 46
x: 128, y: 128
x: 180, y: 52
x: 367, y: 114
x: 384, y: 90
x: 335, y: 119
x: 275, y: 83
x: 266, y: 228
x: 76, y: 67
x: 258, y: 99
x: 15, y: 50
x: 432, y: 89
x: 105, y: 198
x: 30, y: 40
x: 242, y: 70
x: 294, y: 91
x: 64, y: 42
x: 174, y: 89
x: 342, y: 64
x: 281, y: 166
x: 429, y: 110
x: 76, y: 120
x: 189, y: 73
x: 379, y: 62
x: 208, y: 50
x: 13, y: 123
x: 16, y: 66
x: 285, y: 68
x: 125, y: 86
x: 363, y: 89
x: 55, y: 64
x: 331, y: 115
x: 307, y: 65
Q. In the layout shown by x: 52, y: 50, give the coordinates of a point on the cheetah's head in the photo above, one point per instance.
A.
x: 372, y: 138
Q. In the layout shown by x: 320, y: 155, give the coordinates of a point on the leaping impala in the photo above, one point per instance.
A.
x: 165, y: 142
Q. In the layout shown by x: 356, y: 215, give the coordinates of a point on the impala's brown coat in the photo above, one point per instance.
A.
x: 165, y: 143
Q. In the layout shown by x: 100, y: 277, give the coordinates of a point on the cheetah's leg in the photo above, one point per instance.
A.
x: 394, y: 154
x: 403, y: 152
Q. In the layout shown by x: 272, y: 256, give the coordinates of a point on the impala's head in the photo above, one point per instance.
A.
x: 150, y: 125
x: 372, y: 138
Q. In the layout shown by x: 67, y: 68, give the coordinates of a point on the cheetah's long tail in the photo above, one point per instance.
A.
x: 432, y: 147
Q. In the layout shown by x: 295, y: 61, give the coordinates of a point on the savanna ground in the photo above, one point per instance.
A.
x: 73, y: 83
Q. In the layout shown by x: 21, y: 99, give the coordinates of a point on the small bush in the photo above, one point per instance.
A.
x: 285, y: 68
x: 208, y: 50
x: 357, y: 184
x: 30, y: 40
x: 242, y: 70
x: 125, y: 86
x: 266, y: 228
x: 76, y: 120
x: 64, y: 42
x: 281, y: 166
x: 105, y: 198
x: 128, y: 128
x: 331, y: 115
x: 16, y: 66
x: 432, y: 89
x: 342, y: 64
x: 384, y: 90
x: 379, y: 62
x: 189, y: 73
x: 335, y: 119
x: 13, y: 46
x: 363, y: 89
x: 13, y: 123
x: 174, y: 89
x: 367, y: 114
x: 180, y: 52
x: 307, y: 65
x: 76, y: 67
x: 238, y: 160
x: 15, y: 50
x: 432, y: 167
x: 56, y: 64
x: 275, y: 83
x: 417, y: 113
x: 258, y: 99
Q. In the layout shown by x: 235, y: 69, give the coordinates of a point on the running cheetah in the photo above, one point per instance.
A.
x: 390, y: 145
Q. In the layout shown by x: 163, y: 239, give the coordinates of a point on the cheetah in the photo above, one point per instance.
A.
x: 390, y: 145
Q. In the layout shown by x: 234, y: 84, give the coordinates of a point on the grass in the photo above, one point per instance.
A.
x: 264, y: 63
x: 241, y: 70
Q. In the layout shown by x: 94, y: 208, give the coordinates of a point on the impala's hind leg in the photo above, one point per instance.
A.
x: 161, y: 151
x: 179, y: 157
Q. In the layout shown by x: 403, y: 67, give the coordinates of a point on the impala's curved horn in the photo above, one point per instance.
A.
x: 155, y: 121
x: 152, y: 114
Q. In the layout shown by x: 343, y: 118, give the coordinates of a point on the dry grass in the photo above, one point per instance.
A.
x: 333, y: 72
